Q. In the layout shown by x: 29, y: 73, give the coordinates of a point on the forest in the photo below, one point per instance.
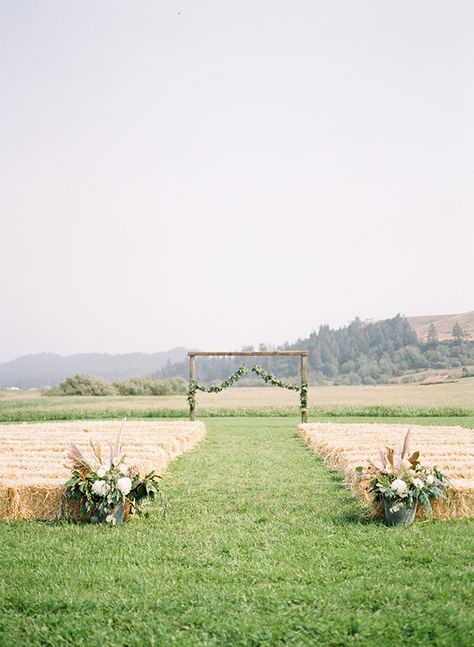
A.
x: 361, y: 353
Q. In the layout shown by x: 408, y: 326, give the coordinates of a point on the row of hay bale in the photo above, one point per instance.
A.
x: 33, y: 458
x: 451, y: 449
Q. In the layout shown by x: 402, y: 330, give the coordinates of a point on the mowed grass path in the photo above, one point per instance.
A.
x: 262, y: 545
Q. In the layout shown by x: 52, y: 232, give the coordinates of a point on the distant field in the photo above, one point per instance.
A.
x: 400, y: 399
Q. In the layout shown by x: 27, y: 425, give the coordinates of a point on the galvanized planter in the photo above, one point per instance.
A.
x: 405, y: 516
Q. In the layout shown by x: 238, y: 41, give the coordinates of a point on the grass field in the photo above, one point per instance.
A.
x: 398, y: 399
x: 262, y: 545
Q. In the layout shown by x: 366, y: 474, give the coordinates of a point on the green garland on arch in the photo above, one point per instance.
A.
x: 269, y: 378
x: 217, y: 388
x: 266, y: 376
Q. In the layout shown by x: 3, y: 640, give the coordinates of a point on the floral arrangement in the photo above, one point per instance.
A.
x: 108, y: 490
x: 399, y: 481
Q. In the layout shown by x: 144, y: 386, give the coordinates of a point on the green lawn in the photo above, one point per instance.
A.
x: 262, y: 545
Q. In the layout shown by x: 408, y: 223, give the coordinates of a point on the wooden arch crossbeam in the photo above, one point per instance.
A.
x: 303, y: 354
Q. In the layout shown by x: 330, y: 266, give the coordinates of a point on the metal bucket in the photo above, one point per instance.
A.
x: 405, y: 516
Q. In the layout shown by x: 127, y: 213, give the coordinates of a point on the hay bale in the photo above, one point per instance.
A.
x: 33, y: 459
x: 451, y: 449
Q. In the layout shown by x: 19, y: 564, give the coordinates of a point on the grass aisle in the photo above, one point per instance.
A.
x: 261, y: 546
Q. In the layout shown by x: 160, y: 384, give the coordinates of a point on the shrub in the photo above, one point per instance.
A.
x: 178, y: 385
x: 150, y: 386
x: 89, y: 385
x: 82, y: 385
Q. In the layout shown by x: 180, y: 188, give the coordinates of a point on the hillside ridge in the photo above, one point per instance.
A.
x: 443, y: 324
x: 39, y: 370
x: 371, y: 352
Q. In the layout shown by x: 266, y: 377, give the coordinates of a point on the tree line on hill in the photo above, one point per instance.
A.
x: 360, y: 353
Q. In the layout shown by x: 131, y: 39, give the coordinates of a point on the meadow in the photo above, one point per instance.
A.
x: 262, y: 544
x: 450, y: 399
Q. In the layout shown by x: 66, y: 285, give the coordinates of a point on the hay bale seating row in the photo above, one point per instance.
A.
x: 451, y: 449
x: 33, y: 459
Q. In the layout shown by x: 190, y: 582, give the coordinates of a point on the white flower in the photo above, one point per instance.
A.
x: 109, y: 518
x: 430, y: 479
x: 103, y: 469
x: 124, y: 469
x: 124, y: 484
x: 418, y: 483
x: 399, y: 486
x: 100, y: 488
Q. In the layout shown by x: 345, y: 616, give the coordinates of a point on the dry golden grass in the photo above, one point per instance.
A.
x: 451, y: 449
x: 33, y: 458
x: 443, y: 324
x: 457, y: 395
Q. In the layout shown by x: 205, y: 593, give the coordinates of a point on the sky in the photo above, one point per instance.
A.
x: 212, y: 174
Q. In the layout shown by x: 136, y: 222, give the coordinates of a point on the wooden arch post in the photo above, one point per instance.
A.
x: 192, y: 377
x: 303, y: 354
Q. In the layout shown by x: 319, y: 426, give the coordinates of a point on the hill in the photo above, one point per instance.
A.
x: 362, y: 352
x: 48, y: 369
x: 443, y: 324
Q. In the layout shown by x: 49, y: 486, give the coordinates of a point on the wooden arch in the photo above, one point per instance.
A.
x: 303, y: 354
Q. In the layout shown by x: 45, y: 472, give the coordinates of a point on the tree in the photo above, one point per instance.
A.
x: 458, y: 333
x: 432, y: 336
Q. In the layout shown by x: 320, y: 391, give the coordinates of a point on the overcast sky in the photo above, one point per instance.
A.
x: 213, y: 174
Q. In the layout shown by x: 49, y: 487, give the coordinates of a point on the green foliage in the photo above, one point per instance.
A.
x: 102, y: 507
x: 268, y: 378
x: 106, y: 487
x: 459, y: 334
x: 360, y: 353
x: 216, y: 388
x: 401, y: 480
x: 82, y: 385
x: 150, y: 386
x: 432, y: 336
x: 88, y: 385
